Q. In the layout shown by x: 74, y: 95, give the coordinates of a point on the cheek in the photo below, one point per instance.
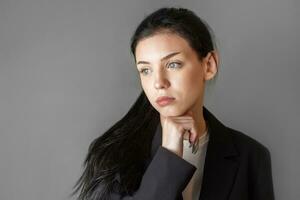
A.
x: 191, y: 80
x: 196, y: 80
x: 146, y: 86
x: 190, y: 86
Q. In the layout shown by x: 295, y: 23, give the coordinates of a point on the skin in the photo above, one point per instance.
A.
x: 181, y: 76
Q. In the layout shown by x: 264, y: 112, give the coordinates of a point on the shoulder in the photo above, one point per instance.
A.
x: 248, y: 146
x: 255, y: 162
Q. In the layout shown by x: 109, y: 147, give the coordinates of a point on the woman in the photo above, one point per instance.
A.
x: 169, y: 146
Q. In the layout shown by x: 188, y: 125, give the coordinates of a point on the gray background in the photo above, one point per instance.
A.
x: 66, y: 75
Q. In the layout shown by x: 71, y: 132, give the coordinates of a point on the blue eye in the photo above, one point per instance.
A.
x: 176, y: 63
x: 143, y: 70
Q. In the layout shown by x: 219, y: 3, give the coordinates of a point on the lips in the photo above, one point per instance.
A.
x: 164, y: 100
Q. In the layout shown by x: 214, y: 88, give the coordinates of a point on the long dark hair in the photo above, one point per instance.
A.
x: 121, y: 151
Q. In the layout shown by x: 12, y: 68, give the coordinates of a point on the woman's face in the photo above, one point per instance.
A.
x: 168, y: 66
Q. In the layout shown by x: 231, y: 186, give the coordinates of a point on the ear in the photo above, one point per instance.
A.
x: 211, y: 63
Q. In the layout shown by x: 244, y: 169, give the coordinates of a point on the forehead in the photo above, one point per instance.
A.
x: 158, y: 45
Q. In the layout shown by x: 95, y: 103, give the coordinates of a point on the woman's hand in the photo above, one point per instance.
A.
x: 174, y: 129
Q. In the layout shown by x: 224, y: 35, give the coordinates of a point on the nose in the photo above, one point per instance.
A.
x: 161, y: 81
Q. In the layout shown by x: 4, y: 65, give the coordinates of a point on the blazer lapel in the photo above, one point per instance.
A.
x: 221, y: 162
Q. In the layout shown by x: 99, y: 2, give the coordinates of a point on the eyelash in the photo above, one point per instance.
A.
x: 143, y: 69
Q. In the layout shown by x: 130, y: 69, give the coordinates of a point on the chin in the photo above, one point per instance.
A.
x: 169, y: 111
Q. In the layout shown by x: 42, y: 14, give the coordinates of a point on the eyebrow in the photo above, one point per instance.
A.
x: 163, y: 58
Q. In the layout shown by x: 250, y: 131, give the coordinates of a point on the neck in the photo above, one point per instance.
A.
x: 199, y: 119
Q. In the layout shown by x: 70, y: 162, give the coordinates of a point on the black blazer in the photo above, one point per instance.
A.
x: 236, y: 167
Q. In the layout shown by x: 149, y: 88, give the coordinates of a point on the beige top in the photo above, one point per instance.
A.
x: 192, y: 190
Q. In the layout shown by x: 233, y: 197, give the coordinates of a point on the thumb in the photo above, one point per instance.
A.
x: 193, y: 135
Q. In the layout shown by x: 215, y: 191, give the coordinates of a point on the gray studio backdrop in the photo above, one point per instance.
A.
x: 66, y: 75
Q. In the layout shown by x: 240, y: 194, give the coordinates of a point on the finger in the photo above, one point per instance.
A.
x: 191, y: 130
x: 183, y: 120
x: 188, y: 125
x: 181, y: 117
x: 195, y: 147
x: 193, y: 135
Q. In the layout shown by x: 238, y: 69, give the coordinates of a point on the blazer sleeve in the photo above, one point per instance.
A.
x: 164, y: 179
x: 263, y: 186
